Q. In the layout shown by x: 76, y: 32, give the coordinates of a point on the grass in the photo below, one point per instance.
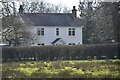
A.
x: 63, y: 69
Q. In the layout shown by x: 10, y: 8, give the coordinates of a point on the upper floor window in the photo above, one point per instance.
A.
x: 71, y: 31
x: 40, y: 31
x: 57, y: 31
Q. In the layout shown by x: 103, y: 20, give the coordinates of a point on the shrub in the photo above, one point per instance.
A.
x: 94, y: 51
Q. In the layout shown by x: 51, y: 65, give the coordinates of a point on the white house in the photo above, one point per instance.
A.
x: 54, y: 28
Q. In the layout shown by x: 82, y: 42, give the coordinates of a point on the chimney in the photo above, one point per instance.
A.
x: 21, y: 9
x: 74, y: 12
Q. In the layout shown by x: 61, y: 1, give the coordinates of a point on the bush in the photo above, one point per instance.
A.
x: 95, y: 51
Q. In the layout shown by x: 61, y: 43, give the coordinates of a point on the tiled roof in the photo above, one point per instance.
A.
x: 50, y: 19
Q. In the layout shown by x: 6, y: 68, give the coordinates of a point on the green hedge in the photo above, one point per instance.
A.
x: 95, y: 51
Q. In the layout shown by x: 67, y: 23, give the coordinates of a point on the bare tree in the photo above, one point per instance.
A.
x: 97, y: 20
x: 116, y: 20
x: 87, y: 9
x: 15, y: 31
x: 66, y: 10
x: 8, y: 8
x: 43, y: 7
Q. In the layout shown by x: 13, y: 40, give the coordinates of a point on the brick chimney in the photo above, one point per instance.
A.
x: 74, y: 12
x: 21, y: 9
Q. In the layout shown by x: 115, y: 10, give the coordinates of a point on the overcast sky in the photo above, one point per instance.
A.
x: 67, y: 3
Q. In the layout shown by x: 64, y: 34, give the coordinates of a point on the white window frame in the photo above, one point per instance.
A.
x: 40, y: 44
x: 41, y: 31
x: 71, y: 44
x: 71, y: 31
x: 57, y: 31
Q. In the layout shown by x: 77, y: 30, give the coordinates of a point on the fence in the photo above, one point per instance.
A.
x: 95, y: 51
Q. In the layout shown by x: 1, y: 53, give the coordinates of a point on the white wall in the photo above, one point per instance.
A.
x: 50, y: 35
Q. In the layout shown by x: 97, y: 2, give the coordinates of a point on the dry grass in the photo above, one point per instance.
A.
x: 63, y: 69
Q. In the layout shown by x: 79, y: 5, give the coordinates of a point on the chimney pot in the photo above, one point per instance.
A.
x: 74, y: 12
x: 73, y: 7
x: 21, y: 9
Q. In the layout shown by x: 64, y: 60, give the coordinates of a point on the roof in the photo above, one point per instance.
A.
x: 56, y: 40
x: 50, y: 19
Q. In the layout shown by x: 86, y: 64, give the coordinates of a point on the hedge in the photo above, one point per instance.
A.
x: 94, y: 51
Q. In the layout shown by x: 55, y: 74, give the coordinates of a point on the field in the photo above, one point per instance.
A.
x: 62, y: 69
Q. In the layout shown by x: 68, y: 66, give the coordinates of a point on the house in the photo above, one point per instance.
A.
x: 53, y: 28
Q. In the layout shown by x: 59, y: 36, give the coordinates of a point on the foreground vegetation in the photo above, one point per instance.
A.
x: 62, y: 69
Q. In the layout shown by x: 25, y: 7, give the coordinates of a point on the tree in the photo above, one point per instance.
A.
x: 43, y: 7
x: 97, y: 20
x: 87, y: 10
x: 116, y: 20
x: 103, y: 31
x: 8, y: 8
x: 16, y: 31
x: 66, y: 10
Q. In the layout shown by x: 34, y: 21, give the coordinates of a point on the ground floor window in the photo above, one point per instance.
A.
x: 71, y: 43
x: 41, y: 44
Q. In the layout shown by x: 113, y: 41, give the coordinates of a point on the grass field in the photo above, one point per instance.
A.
x: 62, y: 69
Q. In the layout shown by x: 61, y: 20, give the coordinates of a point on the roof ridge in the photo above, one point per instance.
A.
x: 51, y: 13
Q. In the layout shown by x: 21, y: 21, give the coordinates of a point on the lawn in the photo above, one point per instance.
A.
x: 62, y: 69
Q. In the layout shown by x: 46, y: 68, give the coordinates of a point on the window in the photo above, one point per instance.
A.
x: 40, y: 31
x: 38, y: 44
x: 71, y: 31
x: 57, y: 31
x: 41, y: 44
x: 71, y: 43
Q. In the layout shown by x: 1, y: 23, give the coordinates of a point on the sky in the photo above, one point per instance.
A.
x: 64, y: 3
x: 67, y: 3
